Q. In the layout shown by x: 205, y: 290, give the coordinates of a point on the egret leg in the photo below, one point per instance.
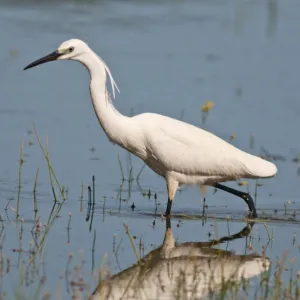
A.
x: 168, y: 210
x: 245, y: 196
x: 172, y: 187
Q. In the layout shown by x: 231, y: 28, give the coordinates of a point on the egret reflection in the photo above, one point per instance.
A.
x: 189, y: 270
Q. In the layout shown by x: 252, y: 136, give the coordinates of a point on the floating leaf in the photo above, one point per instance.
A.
x: 242, y: 183
x: 207, y: 106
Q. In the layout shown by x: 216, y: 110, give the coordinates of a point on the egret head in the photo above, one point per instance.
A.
x: 76, y: 50
x: 71, y: 49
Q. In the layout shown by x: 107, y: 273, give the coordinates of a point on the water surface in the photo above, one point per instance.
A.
x: 168, y: 58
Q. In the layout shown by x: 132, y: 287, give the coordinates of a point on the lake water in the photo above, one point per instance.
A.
x: 167, y: 57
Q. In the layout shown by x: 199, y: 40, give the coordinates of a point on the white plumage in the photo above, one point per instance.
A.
x: 193, y: 155
x: 178, y: 151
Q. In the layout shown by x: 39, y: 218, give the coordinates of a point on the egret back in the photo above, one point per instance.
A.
x: 186, y: 149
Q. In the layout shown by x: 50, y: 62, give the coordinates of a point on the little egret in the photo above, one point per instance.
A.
x: 177, y: 151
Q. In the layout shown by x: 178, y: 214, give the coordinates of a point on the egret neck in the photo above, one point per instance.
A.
x: 113, y: 123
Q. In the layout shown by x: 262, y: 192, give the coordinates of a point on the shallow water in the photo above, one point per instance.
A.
x: 168, y: 58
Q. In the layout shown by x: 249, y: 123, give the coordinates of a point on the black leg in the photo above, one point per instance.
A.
x: 245, y: 196
x: 169, y: 206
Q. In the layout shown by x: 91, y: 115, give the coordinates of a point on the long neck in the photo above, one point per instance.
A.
x: 113, y: 123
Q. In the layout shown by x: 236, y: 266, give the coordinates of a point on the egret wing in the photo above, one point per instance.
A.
x: 184, y: 148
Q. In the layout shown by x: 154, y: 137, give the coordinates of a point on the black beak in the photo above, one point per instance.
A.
x: 50, y: 57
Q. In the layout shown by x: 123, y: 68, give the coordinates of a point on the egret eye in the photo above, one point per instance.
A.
x: 71, y: 49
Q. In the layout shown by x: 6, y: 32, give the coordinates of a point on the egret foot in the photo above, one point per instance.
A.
x: 248, y: 199
x: 245, y: 196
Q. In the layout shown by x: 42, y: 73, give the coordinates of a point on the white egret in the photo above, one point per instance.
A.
x: 178, y: 151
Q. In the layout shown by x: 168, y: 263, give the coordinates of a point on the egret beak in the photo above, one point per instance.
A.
x: 50, y: 57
